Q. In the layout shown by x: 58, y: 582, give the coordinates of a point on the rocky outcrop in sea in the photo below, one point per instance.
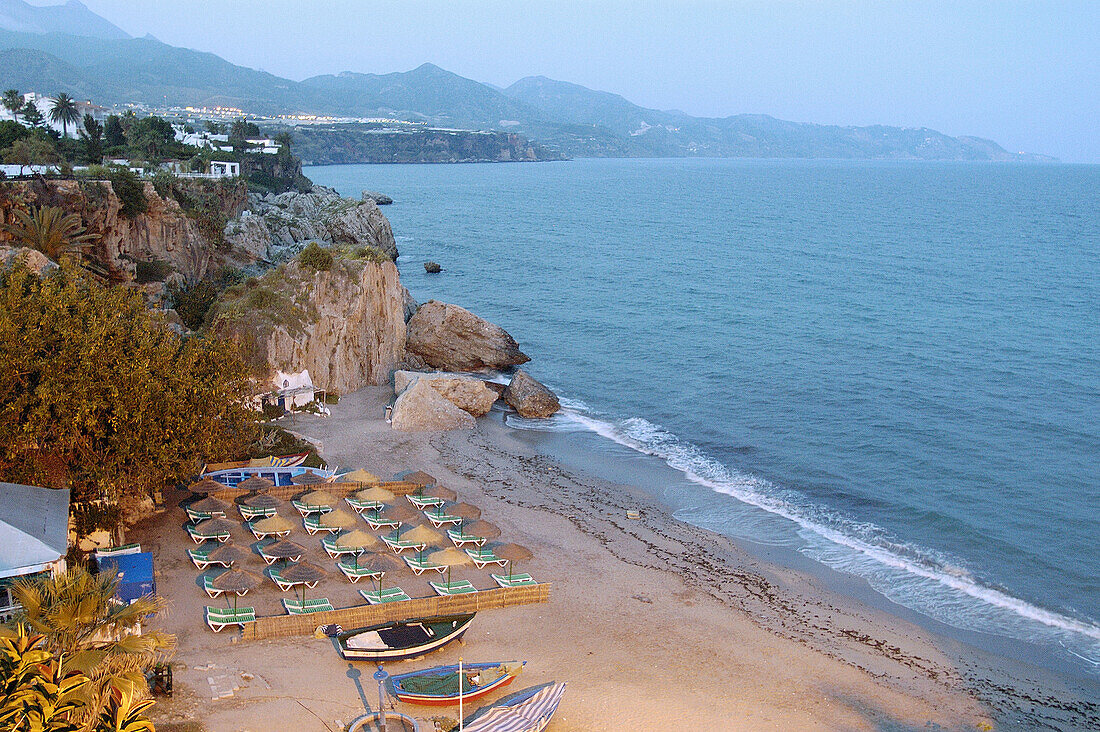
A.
x: 451, y: 338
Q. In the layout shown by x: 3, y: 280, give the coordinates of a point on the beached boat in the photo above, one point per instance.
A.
x: 529, y: 710
x: 439, y: 686
x: 402, y: 639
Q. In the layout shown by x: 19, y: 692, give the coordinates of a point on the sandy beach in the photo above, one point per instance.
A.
x: 653, y: 623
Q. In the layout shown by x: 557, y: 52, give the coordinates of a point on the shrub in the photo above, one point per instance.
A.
x: 192, y: 302
x: 371, y: 254
x: 153, y: 270
x: 316, y: 257
x: 130, y: 191
x: 163, y: 183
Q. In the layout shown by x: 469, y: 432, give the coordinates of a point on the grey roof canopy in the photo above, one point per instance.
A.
x: 34, y: 527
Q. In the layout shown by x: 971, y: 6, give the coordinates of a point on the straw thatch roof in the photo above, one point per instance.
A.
x: 419, y: 477
x: 274, y: 524
x: 438, y: 491
x: 379, y: 562
x: 449, y: 558
x: 262, y: 500
x: 303, y: 572
x: 284, y: 548
x: 360, y: 476
x: 319, y: 498
x: 464, y: 510
x: 513, y: 552
x: 484, y: 529
x: 229, y: 552
x: 206, y: 486
x: 308, y: 478
x: 339, y: 519
x: 376, y: 493
x: 401, y: 513
x: 357, y: 539
x: 236, y: 580
x: 424, y: 534
x: 209, y: 505
x: 214, y: 527
x: 255, y: 483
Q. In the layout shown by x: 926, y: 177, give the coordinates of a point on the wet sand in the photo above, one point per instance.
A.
x: 653, y: 623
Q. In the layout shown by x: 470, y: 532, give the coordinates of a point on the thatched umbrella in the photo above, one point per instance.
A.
x: 424, y: 534
x: 379, y: 563
x: 284, y: 549
x: 214, y: 527
x: 303, y: 572
x: 319, y: 498
x: 308, y: 478
x: 209, y: 505
x: 274, y: 525
x: 236, y: 581
x: 261, y: 500
x: 360, y: 476
x: 338, y: 519
x: 420, y: 478
x: 465, y: 511
x: 206, y: 486
x: 449, y: 558
x: 376, y: 493
x: 513, y: 553
x: 438, y: 491
x: 357, y: 539
x: 229, y: 553
x: 255, y: 483
x: 483, y: 529
x: 402, y: 514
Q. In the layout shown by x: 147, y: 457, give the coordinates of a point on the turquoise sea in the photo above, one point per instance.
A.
x: 892, y: 369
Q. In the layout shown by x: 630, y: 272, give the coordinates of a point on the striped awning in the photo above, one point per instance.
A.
x: 530, y: 714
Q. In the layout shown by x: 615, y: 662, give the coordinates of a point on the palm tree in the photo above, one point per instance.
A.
x: 83, y: 623
x: 49, y: 230
x: 13, y: 102
x: 64, y: 111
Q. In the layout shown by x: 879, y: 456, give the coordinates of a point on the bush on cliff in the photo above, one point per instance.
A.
x: 317, y: 257
x: 101, y: 398
x: 130, y: 191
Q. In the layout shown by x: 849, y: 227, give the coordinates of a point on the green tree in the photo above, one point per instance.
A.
x: 151, y: 136
x: 284, y: 139
x: 92, y: 138
x: 32, y: 116
x: 49, y: 230
x: 214, y: 128
x: 113, y: 133
x: 13, y: 102
x: 143, y: 407
x: 64, y: 111
x: 10, y: 132
x: 31, y: 151
x: 36, y: 691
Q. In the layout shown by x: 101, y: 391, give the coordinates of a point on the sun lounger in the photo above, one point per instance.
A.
x: 355, y: 574
x: 402, y: 546
x: 380, y: 524
x: 200, y: 516
x: 516, y: 580
x: 441, y: 519
x: 460, y: 539
x: 219, y: 617
x: 455, y: 587
x: 208, y: 585
x: 285, y: 584
x: 331, y: 548
x: 360, y: 506
x: 251, y: 514
x: 484, y: 557
x: 269, y: 559
x: 422, y: 502
x: 420, y: 566
x: 266, y: 534
x: 298, y: 607
x: 200, y: 538
x: 307, y: 510
x: 112, y: 551
x: 389, y: 594
x: 198, y: 556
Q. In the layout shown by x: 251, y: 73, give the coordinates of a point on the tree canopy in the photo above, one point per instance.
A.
x: 100, y: 396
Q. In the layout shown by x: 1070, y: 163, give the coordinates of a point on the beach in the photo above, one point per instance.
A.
x: 652, y: 623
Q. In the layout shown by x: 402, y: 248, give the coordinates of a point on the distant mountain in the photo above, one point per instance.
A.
x: 565, y: 119
x: 72, y: 18
x: 427, y: 93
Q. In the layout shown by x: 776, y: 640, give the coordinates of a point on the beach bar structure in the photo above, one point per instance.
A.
x: 34, y: 536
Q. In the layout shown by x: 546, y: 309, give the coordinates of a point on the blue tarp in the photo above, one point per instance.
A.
x: 135, y: 574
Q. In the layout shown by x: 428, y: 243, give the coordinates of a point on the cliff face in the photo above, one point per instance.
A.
x: 273, y: 222
x: 346, y: 325
x: 165, y: 232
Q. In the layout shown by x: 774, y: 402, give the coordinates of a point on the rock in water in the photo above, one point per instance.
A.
x: 530, y: 398
x: 454, y: 339
x: 432, y: 267
x: 380, y: 198
x: 420, y: 408
x: 465, y: 392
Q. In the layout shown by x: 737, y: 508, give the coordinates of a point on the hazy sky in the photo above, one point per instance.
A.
x: 1026, y: 74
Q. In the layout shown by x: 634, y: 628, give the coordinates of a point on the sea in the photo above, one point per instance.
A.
x: 888, y: 370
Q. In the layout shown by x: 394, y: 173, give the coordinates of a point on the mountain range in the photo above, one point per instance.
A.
x: 67, y: 48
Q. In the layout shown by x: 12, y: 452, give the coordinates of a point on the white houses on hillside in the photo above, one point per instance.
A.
x: 44, y: 105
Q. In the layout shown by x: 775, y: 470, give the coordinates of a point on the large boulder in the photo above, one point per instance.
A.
x: 32, y: 259
x: 420, y: 408
x: 452, y: 338
x: 465, y: 392
x: 530, y: 398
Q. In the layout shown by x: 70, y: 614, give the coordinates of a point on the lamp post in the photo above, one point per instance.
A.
x: 380, y: 676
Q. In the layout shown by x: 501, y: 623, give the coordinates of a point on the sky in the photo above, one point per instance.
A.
x: 1025, y: 74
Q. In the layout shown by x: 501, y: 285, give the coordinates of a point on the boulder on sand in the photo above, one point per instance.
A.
x: 465, y: 392
x: 420, y: 408
x: 530, y: 398
x: 452, y: 338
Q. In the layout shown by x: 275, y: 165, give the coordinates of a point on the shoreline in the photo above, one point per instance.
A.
x: 653, y: 623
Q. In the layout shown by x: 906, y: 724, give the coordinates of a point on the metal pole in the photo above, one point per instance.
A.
x: 461, y: 725
x: 380, y: 676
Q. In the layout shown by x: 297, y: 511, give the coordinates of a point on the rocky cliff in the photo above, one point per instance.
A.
x: 346, y: 325
x: 166, y: 232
